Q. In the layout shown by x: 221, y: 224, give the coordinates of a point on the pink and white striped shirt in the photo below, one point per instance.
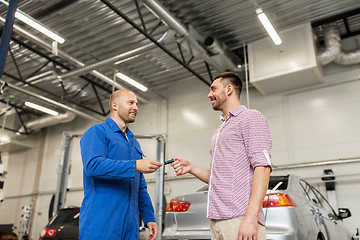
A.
x: 242, y: 143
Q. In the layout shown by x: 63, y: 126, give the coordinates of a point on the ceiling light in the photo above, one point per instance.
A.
x: 41, y: 108
x: 35, y: 24
x: 132, y: 82
x: 3, y: 140
x: 267, y: 25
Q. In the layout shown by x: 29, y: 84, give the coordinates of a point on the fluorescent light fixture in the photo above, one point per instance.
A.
x: 35, y: 24
x: 132, y: 82
x: 41, y: 108
x: 3, y: 140
x: 268, y: 27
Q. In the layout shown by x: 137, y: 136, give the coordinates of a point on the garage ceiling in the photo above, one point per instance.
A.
x: 97, y: 30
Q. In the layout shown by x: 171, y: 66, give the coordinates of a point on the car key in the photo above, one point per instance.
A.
x: 169, y: 161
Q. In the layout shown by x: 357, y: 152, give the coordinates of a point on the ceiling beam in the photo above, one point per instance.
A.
x: 336, y: 17
x: 63, y: 106
x: 132, y: 23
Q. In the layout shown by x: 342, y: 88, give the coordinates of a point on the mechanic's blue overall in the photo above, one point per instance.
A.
x: 114, y: 192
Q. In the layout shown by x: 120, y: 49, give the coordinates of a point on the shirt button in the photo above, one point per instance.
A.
x: 132, y: 175
x: 133, y: 165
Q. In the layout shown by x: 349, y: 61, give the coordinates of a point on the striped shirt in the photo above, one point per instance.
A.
x: 242, y: 143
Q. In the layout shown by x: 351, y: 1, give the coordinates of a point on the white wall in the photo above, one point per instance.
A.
x: 315, y: 124
x: 307, y: 125
x: 20, y: 182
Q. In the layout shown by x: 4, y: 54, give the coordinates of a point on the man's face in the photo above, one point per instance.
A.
x: 217, y: 94
x: 127, y: 107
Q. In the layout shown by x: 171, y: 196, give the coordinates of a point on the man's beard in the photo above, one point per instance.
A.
x: 216, y: 106
x: 127, y: 118
x: 131, y: 120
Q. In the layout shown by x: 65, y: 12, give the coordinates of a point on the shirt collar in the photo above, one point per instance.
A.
x: 112, y: 124
x: 234, y: 112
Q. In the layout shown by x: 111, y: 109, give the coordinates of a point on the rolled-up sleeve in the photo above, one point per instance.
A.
x: 258, y: 140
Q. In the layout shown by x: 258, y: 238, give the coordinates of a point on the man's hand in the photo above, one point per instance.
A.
x: 153, y: 230
x: 249, y: 225
x: 181, y: 166
x: 147, y: 165
x: 248, y: 230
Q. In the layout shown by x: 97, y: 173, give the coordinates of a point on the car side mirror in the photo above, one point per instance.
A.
x: 344, y: 213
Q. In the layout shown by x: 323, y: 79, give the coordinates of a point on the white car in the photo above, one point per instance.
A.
x: 294, y: 210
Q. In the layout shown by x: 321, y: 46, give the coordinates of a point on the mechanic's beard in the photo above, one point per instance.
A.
x: 131, y: 120
x: 126, y: 118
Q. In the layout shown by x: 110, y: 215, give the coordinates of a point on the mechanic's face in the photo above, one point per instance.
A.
x: 127, y: 107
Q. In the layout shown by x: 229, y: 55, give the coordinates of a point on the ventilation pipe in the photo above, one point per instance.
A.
x: 163, y: 14
x: 213, y: 46
x: 333, y: 50
x: 219, y: 53
x: 352, y: 57
x: 48, y: 121
x: 332, y: 44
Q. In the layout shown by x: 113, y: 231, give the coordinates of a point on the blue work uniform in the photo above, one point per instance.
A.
x: 114, y: 193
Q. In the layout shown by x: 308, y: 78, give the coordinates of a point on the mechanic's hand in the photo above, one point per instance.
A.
x: 147, y: 165
x: 181, y: 166
x: 153, y: 230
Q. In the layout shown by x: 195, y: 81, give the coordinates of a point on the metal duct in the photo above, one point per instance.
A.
x: 352, y: 57
x: 167, y: 18
x: 213, y: 45
x: 333, y: 50
x: 48, y: 121
x: 219, y: 53
x: 162, y: 13
x: 332, y: 43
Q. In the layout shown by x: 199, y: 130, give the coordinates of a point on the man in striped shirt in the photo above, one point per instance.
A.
x: 240, y: 165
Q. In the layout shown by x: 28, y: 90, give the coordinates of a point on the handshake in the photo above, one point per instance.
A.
x: 180, y: 165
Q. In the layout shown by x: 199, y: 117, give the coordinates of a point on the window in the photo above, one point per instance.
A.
x: 280, y: 182
x: 66, y: 216
x: 316, y: 197
x: 324, y: 203
x: 309, y: 193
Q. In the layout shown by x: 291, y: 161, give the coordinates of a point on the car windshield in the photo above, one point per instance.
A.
x: 66, y: 216
x: 275, y: 183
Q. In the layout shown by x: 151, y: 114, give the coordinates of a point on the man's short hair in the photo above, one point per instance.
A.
x: 110, y: 101
x: 112, y: 98
x: 231, y: 78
